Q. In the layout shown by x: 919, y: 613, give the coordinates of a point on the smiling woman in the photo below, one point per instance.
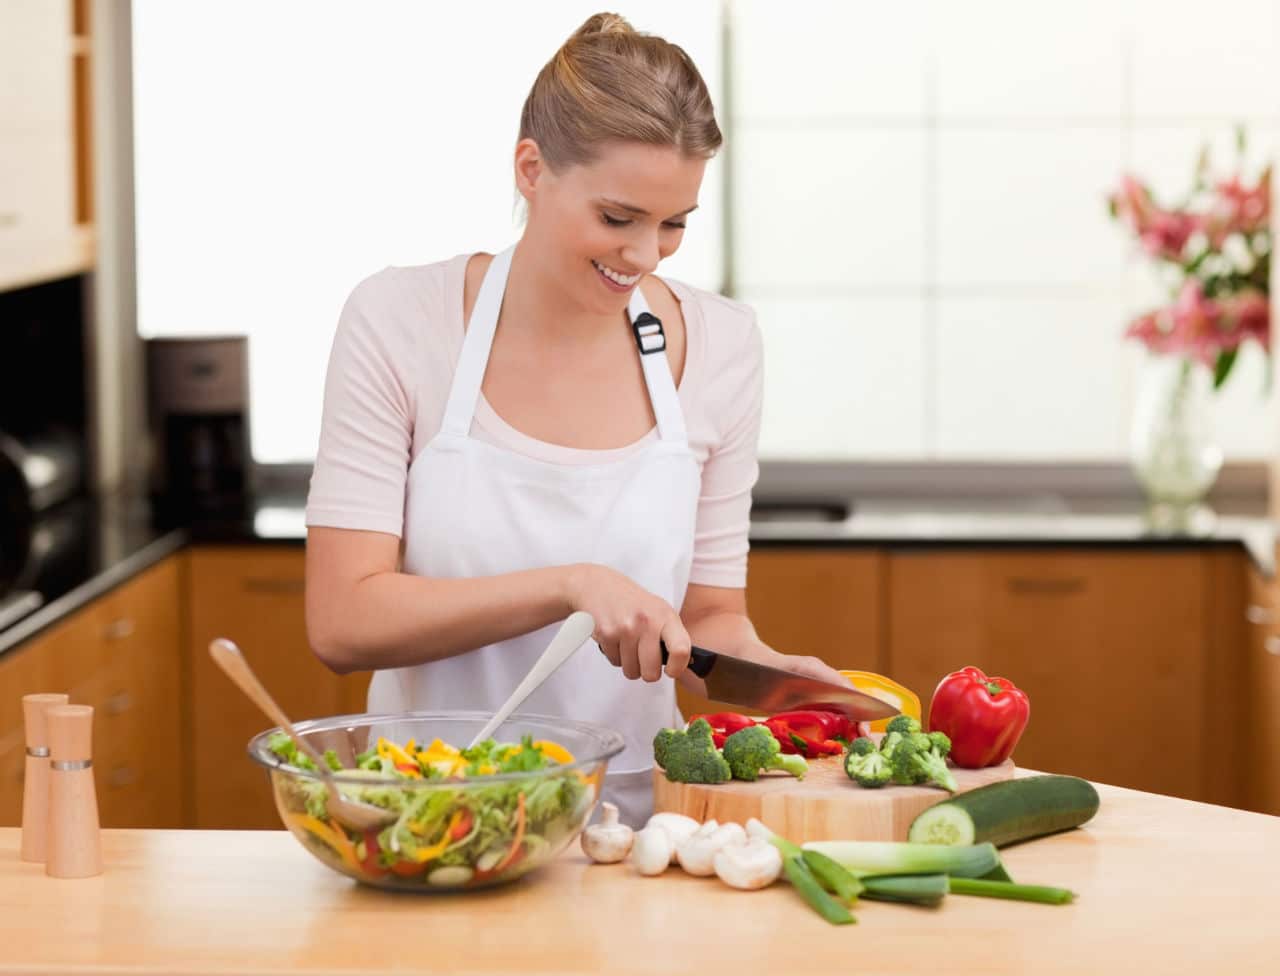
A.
x: 511, y: 438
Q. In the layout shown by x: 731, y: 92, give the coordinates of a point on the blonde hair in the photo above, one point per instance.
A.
x: 612, y: 83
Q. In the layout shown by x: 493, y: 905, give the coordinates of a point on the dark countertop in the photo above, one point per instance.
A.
x: 92, y: 546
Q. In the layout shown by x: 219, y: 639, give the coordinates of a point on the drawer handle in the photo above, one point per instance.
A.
x: 261, y: 585
x: 120, y: 702
x: 1047, y: 587
x: 119, y: 629
x: 121, y: 776
x: 1272, y: 645
x: 1258, y: 615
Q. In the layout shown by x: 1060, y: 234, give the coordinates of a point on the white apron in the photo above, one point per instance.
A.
x: 474, y: 509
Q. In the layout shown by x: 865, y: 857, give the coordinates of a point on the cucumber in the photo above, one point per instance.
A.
x: 1007, y: 812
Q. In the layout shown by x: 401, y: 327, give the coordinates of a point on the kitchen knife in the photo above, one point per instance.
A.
x: 771, y: 690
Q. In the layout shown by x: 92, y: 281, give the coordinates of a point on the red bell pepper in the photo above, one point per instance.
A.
x: 984, y: 717
x: 724, y: 724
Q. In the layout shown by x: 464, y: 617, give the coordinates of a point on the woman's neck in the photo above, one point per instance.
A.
x: 545, y: 309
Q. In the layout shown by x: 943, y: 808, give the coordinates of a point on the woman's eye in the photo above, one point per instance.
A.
x: 614, y: 221
x: 676, y: 226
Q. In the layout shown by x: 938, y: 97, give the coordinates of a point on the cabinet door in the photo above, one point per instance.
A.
x: 67, y: 658
x: 812, y: 601
x: 1262, y: 682
x: 138, y: 723
x: 254, y: 596
x: 1109, y: 647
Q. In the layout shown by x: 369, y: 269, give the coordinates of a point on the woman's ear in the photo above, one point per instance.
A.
x: 529, y: 168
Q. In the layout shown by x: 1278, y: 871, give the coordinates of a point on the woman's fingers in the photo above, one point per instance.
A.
x: 629, y: 650
x: 813, y: 667
x: 678, y: 644
x: 650, y: 656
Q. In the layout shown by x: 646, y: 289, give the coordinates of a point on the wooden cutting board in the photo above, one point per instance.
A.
x: 825, y: 805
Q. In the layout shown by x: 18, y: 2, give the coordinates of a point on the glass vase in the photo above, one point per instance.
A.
x: 1172, y: 445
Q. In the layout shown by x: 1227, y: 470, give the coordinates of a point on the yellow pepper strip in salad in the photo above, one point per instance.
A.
x: 332, y: 836
x: 426, y: 854
x: 403, y: 761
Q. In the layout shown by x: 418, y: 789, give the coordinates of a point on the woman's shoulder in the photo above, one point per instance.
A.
x: 728, y: 327
x: 397, y: 287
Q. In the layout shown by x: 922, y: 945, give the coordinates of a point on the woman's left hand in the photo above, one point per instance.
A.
x: 810, y: 667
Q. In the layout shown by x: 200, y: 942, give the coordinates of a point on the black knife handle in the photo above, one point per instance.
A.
x: 701, y: 661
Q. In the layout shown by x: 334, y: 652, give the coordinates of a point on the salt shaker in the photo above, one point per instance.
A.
x: 74, y: 844
x: 35, y: 781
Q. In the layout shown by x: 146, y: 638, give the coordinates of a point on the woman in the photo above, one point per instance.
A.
x: 509, y: 439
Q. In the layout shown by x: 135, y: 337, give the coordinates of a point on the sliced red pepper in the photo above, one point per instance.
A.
x: 724, y: 724
x: 815, y: 724
x: 408, y: 869
x: 792, y: 741
x: 371, y: 863
x: 462, y: 826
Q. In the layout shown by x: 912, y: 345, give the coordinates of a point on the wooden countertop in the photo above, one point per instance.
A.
x: 1164, y: 886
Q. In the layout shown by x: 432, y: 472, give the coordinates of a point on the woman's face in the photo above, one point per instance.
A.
x: 610, y: 219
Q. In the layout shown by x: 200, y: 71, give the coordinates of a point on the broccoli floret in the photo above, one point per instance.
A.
x: 863, y: 746
x: 869, y: 769
x: 750, y: 750
x: 922, y: 741
x: 662, y: 744
x: 902, y: 723
x: 902, y: 764
x: 934, y: 768
x: 941, y: 744
x: 690, y: 756
x: 890, y: 742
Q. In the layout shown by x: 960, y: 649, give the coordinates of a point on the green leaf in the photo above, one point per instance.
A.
x: 1222, y: 368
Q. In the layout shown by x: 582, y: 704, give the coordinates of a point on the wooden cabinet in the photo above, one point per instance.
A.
x: 1262, y: 684
x: 1113, y: 649
x: 254, y: 596
x: 121, y: 655
x: 821, y: 602
x: 45, y: 200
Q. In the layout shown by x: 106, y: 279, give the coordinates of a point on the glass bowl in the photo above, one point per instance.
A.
x: 453, y: 833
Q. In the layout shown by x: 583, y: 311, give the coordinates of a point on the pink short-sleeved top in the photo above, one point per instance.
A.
x: 391, y: 367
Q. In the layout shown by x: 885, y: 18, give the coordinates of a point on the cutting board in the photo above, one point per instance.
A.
x: 825, y: 805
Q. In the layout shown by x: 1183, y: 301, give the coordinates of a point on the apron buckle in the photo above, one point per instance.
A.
x: 649, y: 335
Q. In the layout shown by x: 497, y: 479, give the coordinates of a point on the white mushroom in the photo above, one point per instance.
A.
x: 608, y: 842
x: 651, y: 851
x: 697, y: 854
x: 757, y: 830
x: 678, y: 827
x: 749, y: 866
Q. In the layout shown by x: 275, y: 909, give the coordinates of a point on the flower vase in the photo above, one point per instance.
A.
x: 1172, y: 446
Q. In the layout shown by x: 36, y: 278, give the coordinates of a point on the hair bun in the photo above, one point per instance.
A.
x: 604, y: 23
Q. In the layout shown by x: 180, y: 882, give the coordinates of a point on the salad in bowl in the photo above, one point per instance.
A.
x: 463, y: 817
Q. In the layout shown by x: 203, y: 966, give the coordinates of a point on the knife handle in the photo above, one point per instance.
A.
x: 701, y: 661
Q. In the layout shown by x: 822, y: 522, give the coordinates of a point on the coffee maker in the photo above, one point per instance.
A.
x: 199, y: 417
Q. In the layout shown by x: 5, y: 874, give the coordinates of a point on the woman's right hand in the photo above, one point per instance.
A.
x: 630, y: 621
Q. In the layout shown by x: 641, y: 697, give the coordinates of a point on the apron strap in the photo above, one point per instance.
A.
x: 652, y: 343
x: 474, y: 358
x: 476, y: 344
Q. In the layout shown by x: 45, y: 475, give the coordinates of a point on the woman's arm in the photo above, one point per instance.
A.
x: 364, y: 614
x: 716, y: 618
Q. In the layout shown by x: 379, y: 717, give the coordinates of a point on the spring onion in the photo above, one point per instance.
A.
x: 890, y: 857
x: 1002, y: 889
x: 915, y: 889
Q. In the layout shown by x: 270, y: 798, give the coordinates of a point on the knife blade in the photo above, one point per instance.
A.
x: 772, y: 690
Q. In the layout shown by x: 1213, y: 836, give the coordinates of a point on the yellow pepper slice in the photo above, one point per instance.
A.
x: 426, y: 854
x: 554, y: 751
x: 331, y: 835
x: 899, y: 696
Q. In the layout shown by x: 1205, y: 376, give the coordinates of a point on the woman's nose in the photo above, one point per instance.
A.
x: 643, y: 254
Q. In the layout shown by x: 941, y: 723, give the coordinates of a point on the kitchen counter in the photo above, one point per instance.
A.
x: 1164, y: 886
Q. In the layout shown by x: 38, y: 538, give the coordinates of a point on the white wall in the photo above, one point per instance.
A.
x: 920, y: 187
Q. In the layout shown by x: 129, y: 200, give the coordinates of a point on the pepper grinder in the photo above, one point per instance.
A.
x: 35, y: 781
x: 75, y: 844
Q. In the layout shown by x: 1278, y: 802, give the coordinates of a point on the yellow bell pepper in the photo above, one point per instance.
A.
x: 899, y: 696
x: 554, y: 751
x: 426, y: 854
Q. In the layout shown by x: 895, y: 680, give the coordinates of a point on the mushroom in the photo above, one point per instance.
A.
x: 755, y: 864
x: 757, y: 830
x: 697, y: 854
x: 651, y: 852
x: 608, y: 842
x: 678, y: 827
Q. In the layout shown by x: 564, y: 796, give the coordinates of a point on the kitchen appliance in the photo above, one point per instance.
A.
x: 772, y: 690
x: 199, y: 406
x: 38, y: 472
